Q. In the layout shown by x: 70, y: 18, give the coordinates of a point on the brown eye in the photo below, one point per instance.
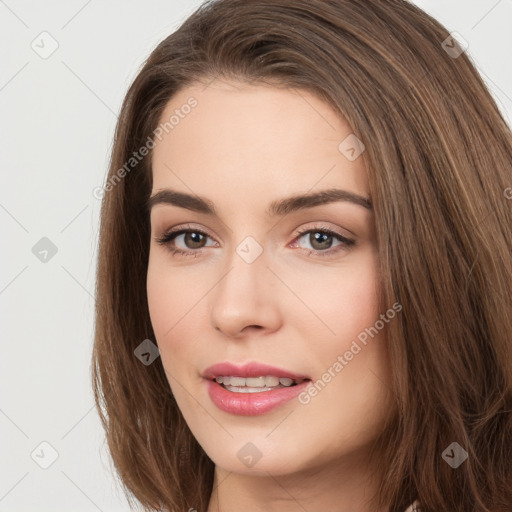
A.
x: 320, y: 240
x: 194, y: 239
x: 184, y: 241
x: 323, y: 242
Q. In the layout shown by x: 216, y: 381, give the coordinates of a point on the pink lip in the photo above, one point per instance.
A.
x: 250, y: 404
x: 252, y: 369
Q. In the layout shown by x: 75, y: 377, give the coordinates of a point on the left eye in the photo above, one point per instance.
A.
x: 321, y: 240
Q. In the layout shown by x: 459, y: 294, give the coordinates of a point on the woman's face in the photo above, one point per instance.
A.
x: 266, y: 280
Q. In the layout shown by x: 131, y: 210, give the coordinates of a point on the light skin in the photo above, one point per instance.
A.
x: 241, y: 148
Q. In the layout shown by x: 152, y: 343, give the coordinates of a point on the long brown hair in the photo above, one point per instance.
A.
x: 439, y: 160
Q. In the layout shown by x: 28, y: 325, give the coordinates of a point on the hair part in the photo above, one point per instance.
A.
x: 439, y: 158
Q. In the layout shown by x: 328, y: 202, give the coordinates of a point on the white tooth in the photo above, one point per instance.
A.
x: 254, y: 390
x: 244, y: 389
x: 271, y: 380
x: 255, y: 382
x: 267, y: 382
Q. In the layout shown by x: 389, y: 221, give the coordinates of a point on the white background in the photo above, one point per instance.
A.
x: 57, y: 117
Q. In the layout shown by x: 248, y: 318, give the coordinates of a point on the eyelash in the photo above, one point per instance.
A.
x: 169, y: 236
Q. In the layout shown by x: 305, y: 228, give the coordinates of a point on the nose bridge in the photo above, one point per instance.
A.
x: 245, y: 281
x: 242, y: 297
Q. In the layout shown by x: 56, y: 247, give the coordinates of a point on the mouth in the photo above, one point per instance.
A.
x: 259, y: 384
x: 246, y: 396
x: 252, y: 388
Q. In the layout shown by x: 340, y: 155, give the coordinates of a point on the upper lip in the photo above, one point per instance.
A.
x: 251, y: 369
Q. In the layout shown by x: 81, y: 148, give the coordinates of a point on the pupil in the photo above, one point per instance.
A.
x: 194, y: 238
x: 320, y: 238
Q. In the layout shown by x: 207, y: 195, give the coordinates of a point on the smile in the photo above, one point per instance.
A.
x: 255, y: 384
x: 252, y: 401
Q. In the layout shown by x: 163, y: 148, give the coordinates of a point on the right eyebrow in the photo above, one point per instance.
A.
x: 190, y: 202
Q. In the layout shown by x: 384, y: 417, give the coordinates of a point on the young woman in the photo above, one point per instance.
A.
x: 304, y: 288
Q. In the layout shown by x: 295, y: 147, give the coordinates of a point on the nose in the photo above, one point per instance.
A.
x: 246, y: 300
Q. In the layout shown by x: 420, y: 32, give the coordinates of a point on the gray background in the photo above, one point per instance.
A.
x: 57, y: 117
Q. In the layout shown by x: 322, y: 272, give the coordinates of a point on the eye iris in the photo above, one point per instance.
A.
x: 194, y: 238
x: 320, y: 238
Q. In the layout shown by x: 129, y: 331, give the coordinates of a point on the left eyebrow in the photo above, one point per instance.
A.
x: 278, y: 207
x: 302, y: 201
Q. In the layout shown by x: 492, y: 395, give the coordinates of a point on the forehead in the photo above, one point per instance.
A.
x: 253, y: 139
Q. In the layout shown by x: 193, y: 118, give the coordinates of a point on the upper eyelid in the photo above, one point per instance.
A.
x: 298, y: 233
x: 346, y: 243
x: 185, y: 228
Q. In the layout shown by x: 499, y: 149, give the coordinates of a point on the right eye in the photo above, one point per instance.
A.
x: 192, y: 241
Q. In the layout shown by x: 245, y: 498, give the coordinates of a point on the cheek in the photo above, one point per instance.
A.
x: 160, y: 297
x: 166, y: 307
x: 171, y: 291
x: 353, y: 377
x: 344, y: 302
x: 175, y: 305
x: 347, y: 310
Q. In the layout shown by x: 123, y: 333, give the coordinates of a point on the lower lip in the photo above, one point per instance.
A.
x: 252, y: 404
